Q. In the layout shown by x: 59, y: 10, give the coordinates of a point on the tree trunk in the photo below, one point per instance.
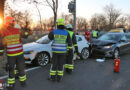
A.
x: 55, y: 18
x: 2, y: 2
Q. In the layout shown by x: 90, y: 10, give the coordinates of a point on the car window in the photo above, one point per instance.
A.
x: 124, y: 38
x: 43, y: 40
x: 80, y: 39
x: 108, y: 36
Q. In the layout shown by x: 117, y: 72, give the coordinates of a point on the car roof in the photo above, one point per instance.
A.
x: 117, y: 30
x: 115, y: 33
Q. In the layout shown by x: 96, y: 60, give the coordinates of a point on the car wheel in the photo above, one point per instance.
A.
x: 42, y: 59
x: 84, y: 53
x: 116, y: 53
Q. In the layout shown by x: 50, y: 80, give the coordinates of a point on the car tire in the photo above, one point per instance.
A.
x: 116, y: 53
x: 42, y: 59
x: 84, y: 53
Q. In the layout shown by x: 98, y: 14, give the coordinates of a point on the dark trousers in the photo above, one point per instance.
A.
x: 69, y: 66
x: 58, y: 60
x: 20, y: 64
x: 56, y: 71
x: 69, y: 58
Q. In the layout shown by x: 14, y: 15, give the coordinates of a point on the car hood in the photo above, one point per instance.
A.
x: 103, y: 42
x: 32, y: 46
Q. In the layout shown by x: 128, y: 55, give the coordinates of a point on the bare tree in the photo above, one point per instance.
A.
x: 94, y: 22
x: 112, y: 14
x: 81, y: 23
x: 27, y: 20
x: 128, y: 22
x: 121, y: 22
x: 53, y: 4
x: 67, y: 18
x: 47, y: 23
x: 101, y: 22
x: 36, y: 5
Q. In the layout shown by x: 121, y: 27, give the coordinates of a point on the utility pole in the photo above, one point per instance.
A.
x: 74, y: 14
x: 72, y: 9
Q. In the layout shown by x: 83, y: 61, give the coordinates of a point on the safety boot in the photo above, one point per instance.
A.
x: 69, y: 71
x: 23, y: 83
x: 10, y: 86
x: 59, y: 78
x: 52, y: 78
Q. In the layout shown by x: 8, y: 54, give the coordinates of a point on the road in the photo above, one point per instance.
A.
x: 88, y: 75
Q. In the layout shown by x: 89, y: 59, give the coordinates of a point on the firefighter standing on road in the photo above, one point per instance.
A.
x: 14, y: 47
x: 95, y: 34
x: 87, y: 35
x: 61, y: 39
x: 69, y: 66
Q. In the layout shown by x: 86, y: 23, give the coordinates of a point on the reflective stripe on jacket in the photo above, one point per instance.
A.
x: 59, y: 43
x: 13, y: 42
x: 95, y: 33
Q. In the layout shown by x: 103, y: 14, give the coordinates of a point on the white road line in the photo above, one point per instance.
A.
x: 30, y: 69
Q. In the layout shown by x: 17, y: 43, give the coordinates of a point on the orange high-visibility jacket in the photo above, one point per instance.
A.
x: 12, y: 40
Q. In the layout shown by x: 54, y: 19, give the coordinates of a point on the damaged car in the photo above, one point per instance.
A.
x: 110, y: 45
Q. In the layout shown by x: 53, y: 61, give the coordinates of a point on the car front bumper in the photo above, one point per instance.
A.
x: 102, y: 52
x: 29, y: 57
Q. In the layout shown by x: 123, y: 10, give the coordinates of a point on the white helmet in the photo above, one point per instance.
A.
x: 69, y: 26
x: 17, y: 26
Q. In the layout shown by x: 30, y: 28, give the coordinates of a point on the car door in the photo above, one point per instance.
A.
x: 81, y: 42
x: 123, y: 43
x: 128, y: 41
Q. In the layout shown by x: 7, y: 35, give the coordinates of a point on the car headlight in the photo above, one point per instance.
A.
x: 28, y: 52
x: 108, y: 46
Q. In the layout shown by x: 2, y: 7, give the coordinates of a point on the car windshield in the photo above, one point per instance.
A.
x: 43, y: 40
x: 109, y: 36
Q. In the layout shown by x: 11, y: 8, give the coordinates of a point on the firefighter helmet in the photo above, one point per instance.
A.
x: 9, y: 20
x: 60, y: 22
x: 69, y: 26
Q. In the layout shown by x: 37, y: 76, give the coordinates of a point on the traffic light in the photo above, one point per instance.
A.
x: 71, y: 7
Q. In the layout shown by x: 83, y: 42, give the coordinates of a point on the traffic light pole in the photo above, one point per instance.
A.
x: 74, y: 14
x: 72, y: 9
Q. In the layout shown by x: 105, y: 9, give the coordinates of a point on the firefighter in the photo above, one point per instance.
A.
x: 61, y: 39
x: 14, y: 47
x: 69, y: 66
x: 52, y: 28
x: 87, y: 35
x: 95, y: 34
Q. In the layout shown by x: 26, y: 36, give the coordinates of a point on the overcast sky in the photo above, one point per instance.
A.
x: 85, y: 8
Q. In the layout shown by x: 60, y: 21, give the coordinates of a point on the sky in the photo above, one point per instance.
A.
x: 85, y: 8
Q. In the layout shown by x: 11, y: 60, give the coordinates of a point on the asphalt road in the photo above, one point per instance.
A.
x: 88, y: 75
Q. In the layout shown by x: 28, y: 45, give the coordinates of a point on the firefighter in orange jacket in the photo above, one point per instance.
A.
x: 14, y: 47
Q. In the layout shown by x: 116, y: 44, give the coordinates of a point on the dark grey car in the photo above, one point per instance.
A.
x: 111, y: 45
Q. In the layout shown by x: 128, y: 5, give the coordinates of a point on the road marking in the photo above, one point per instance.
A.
x: 29, y: 69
